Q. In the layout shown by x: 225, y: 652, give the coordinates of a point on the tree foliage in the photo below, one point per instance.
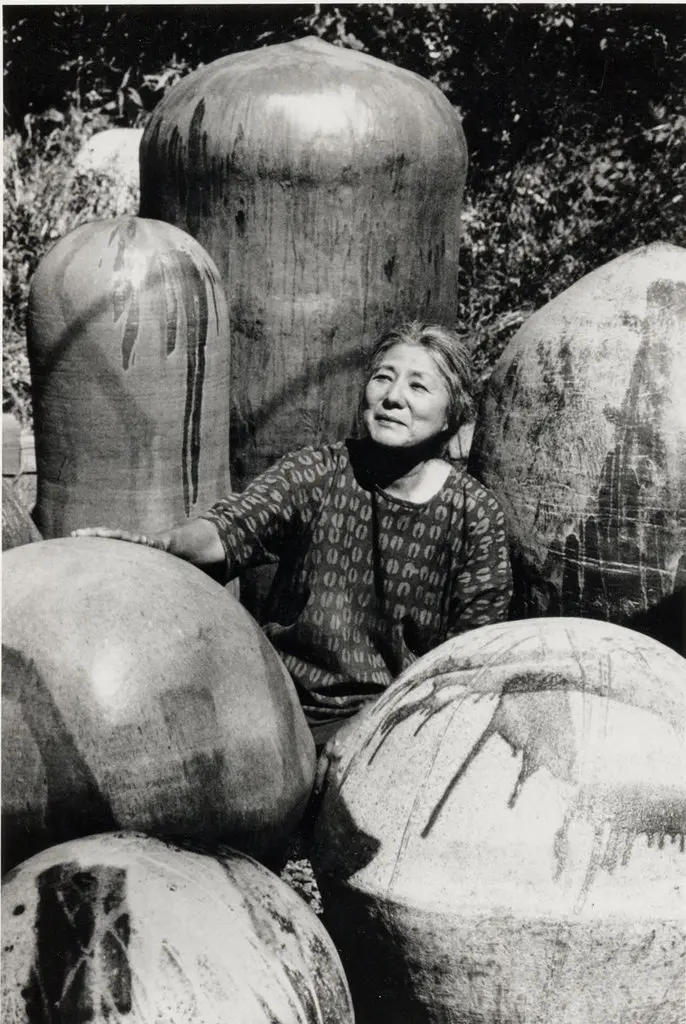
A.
x: 516, y: 71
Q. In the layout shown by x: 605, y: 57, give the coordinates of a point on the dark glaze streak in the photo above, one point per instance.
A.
x: 177, y: 978
x: 426, y: 709
x: 394, y: 166
x: 443, y: 693
x: 74, y: 804
x: 121, y: 249
x: 260, y: 917
x: 328, y: 982
x: 197, y: 207
x: 235, y: 156
x: 171, y: 305
x: 617, y: 819
x: 190, y: 715
x: 613, y: 563
x: 81, y: 970
x: 461, y: 771
x: 210, y: 281
x: 125, y: 298
x: 536, y: 724
x: 284, y: 923
x: 269, y: 1016
x: 197, y: 319
x: 196, y: 140
x: 152, y: 174
x: 532, y: 714
x: 131, y: 329
x: 174, y: 158
x: 306, y: 998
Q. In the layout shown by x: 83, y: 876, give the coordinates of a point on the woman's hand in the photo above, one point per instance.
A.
x: 160, y: 541
x: 196, y: 541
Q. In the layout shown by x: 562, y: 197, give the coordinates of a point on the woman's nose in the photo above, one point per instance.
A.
x: 395, y: 394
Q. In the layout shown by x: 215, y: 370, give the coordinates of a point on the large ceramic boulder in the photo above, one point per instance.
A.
x: 137, y: 693
x: 501, y: 835
x: 327, y: 187
x: 128, y: 343
x: 582, y: 435
x: 17, y: 525
x: 127, y: 928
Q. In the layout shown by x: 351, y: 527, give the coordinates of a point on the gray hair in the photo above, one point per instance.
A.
x: 448, y: 352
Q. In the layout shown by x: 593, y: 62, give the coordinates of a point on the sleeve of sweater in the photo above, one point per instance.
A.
x: 482, y: 587
x: 274, y: 510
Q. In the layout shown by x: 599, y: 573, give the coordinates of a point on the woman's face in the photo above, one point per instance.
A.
x: 406, y: 400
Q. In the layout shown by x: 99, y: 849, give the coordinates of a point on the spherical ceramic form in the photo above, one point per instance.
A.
x: 582, y: 435
x: 327, y: 186
x: 128, y: 343
x: 501, y: 835
x: 137, y: 693
x: 17, y: 525
x: 122, y: 927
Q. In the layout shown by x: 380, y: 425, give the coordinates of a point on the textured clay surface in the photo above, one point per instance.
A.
x: 137, y: 693
x: 502, y: 833
x: 582, y: 435
x: 122, y: 927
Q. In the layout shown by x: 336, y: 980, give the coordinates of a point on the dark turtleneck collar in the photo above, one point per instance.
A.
x: 379, y: 466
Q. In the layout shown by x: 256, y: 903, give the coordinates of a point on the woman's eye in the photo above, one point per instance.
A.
x: 381, y: 376
x: 419, y: 387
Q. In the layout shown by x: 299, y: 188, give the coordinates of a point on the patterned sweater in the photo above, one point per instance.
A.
x: 366, y: 582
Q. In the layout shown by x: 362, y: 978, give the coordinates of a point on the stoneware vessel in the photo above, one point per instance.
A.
x: 501, y: 836
x: 581, y: 433
x: 327, y: 187
x: 137, y: 693
x: 128, y: 343
x: 126, y: 928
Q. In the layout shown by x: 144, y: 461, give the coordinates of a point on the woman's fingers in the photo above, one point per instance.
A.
x: 98, y: 531
x: 114, y: 534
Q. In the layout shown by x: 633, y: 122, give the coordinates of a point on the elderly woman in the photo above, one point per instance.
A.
x: 384, y: 549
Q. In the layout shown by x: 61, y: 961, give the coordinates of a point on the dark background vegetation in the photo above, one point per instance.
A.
x: 574, y: 116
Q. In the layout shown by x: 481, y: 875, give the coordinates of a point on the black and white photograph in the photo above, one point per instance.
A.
x: 344, y: 514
